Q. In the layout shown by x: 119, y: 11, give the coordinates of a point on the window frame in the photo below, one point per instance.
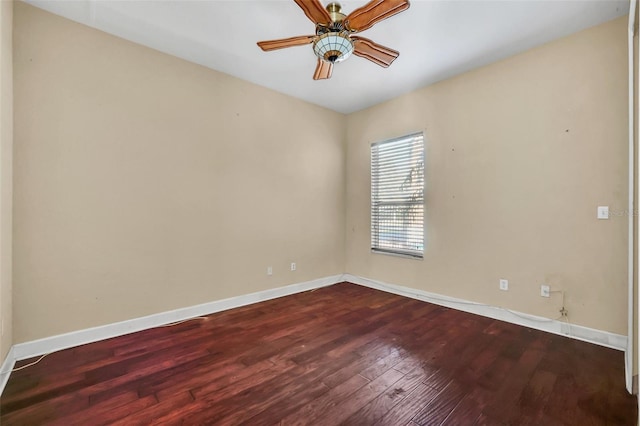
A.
x: 377, y: 201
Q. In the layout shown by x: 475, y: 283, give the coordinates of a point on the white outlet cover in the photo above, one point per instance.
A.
x: 269, y: 270
x: 504, y: 285
x: 544, y: 290
x: 603, y: 212
x: 293, y: 266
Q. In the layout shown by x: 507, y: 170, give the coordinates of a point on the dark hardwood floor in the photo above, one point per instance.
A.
x: 344, y: 354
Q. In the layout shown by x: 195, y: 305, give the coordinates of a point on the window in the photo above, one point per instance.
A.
x: 397, y: 196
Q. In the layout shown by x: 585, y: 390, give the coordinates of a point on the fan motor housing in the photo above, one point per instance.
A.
x: 334, y: 12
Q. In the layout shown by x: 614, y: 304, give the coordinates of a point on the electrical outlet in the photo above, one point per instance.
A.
x: 603, y: 212
x: 293, y: 266
x: 504, y: 285
x: 544, y: 290
x: 269, y: 270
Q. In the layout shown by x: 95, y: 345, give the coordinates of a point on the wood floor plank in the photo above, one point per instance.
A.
x: 409, y: 407
x: 538, y: 390
x: 29, y: 388
x: 150, y: 414
x: 316, y: 408
x: 100, y: 410
x: 343, y: 410
x: 298, y: 382
x: 383, y: 364
x: 375, y: 409
x: 343, y: 354
x: 505, y: 407
x: 469, y: 408
x: 359, y: 364
x: 188, y: 375
x: 45, y: 411
x: 440, y: 407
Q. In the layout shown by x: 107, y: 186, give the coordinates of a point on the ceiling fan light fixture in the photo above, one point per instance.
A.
x: 333, y: 46
x: 333, y: 40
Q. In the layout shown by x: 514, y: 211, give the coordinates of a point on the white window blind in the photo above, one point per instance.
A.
x: 397, y: 196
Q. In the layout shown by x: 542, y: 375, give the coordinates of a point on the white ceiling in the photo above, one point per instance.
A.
x: 437, y: 39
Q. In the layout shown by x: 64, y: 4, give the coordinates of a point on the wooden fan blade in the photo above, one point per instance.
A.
x: 285, y: 42
x: 373, y: 12
x: 323, y: 70
x: 314, y: 11
x: 374, y: 52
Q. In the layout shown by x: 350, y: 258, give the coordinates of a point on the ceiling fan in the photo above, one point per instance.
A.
x: 334, y: 42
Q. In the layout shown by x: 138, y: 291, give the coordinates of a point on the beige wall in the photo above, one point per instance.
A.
x: 145, y: 183
x: 6, y: 165
x: 518, y: 156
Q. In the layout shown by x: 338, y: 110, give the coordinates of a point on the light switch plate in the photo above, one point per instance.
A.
x: 504, y: 285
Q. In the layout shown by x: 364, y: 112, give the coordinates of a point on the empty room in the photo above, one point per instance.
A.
x: 295, y: 212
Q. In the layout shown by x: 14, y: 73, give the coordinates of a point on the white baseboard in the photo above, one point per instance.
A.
x: 5, y: 369
x: 586, y: 334
x: 64, y: 341
x: 89, y: 335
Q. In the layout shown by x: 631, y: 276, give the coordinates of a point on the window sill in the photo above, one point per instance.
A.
x: 397, y: 254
